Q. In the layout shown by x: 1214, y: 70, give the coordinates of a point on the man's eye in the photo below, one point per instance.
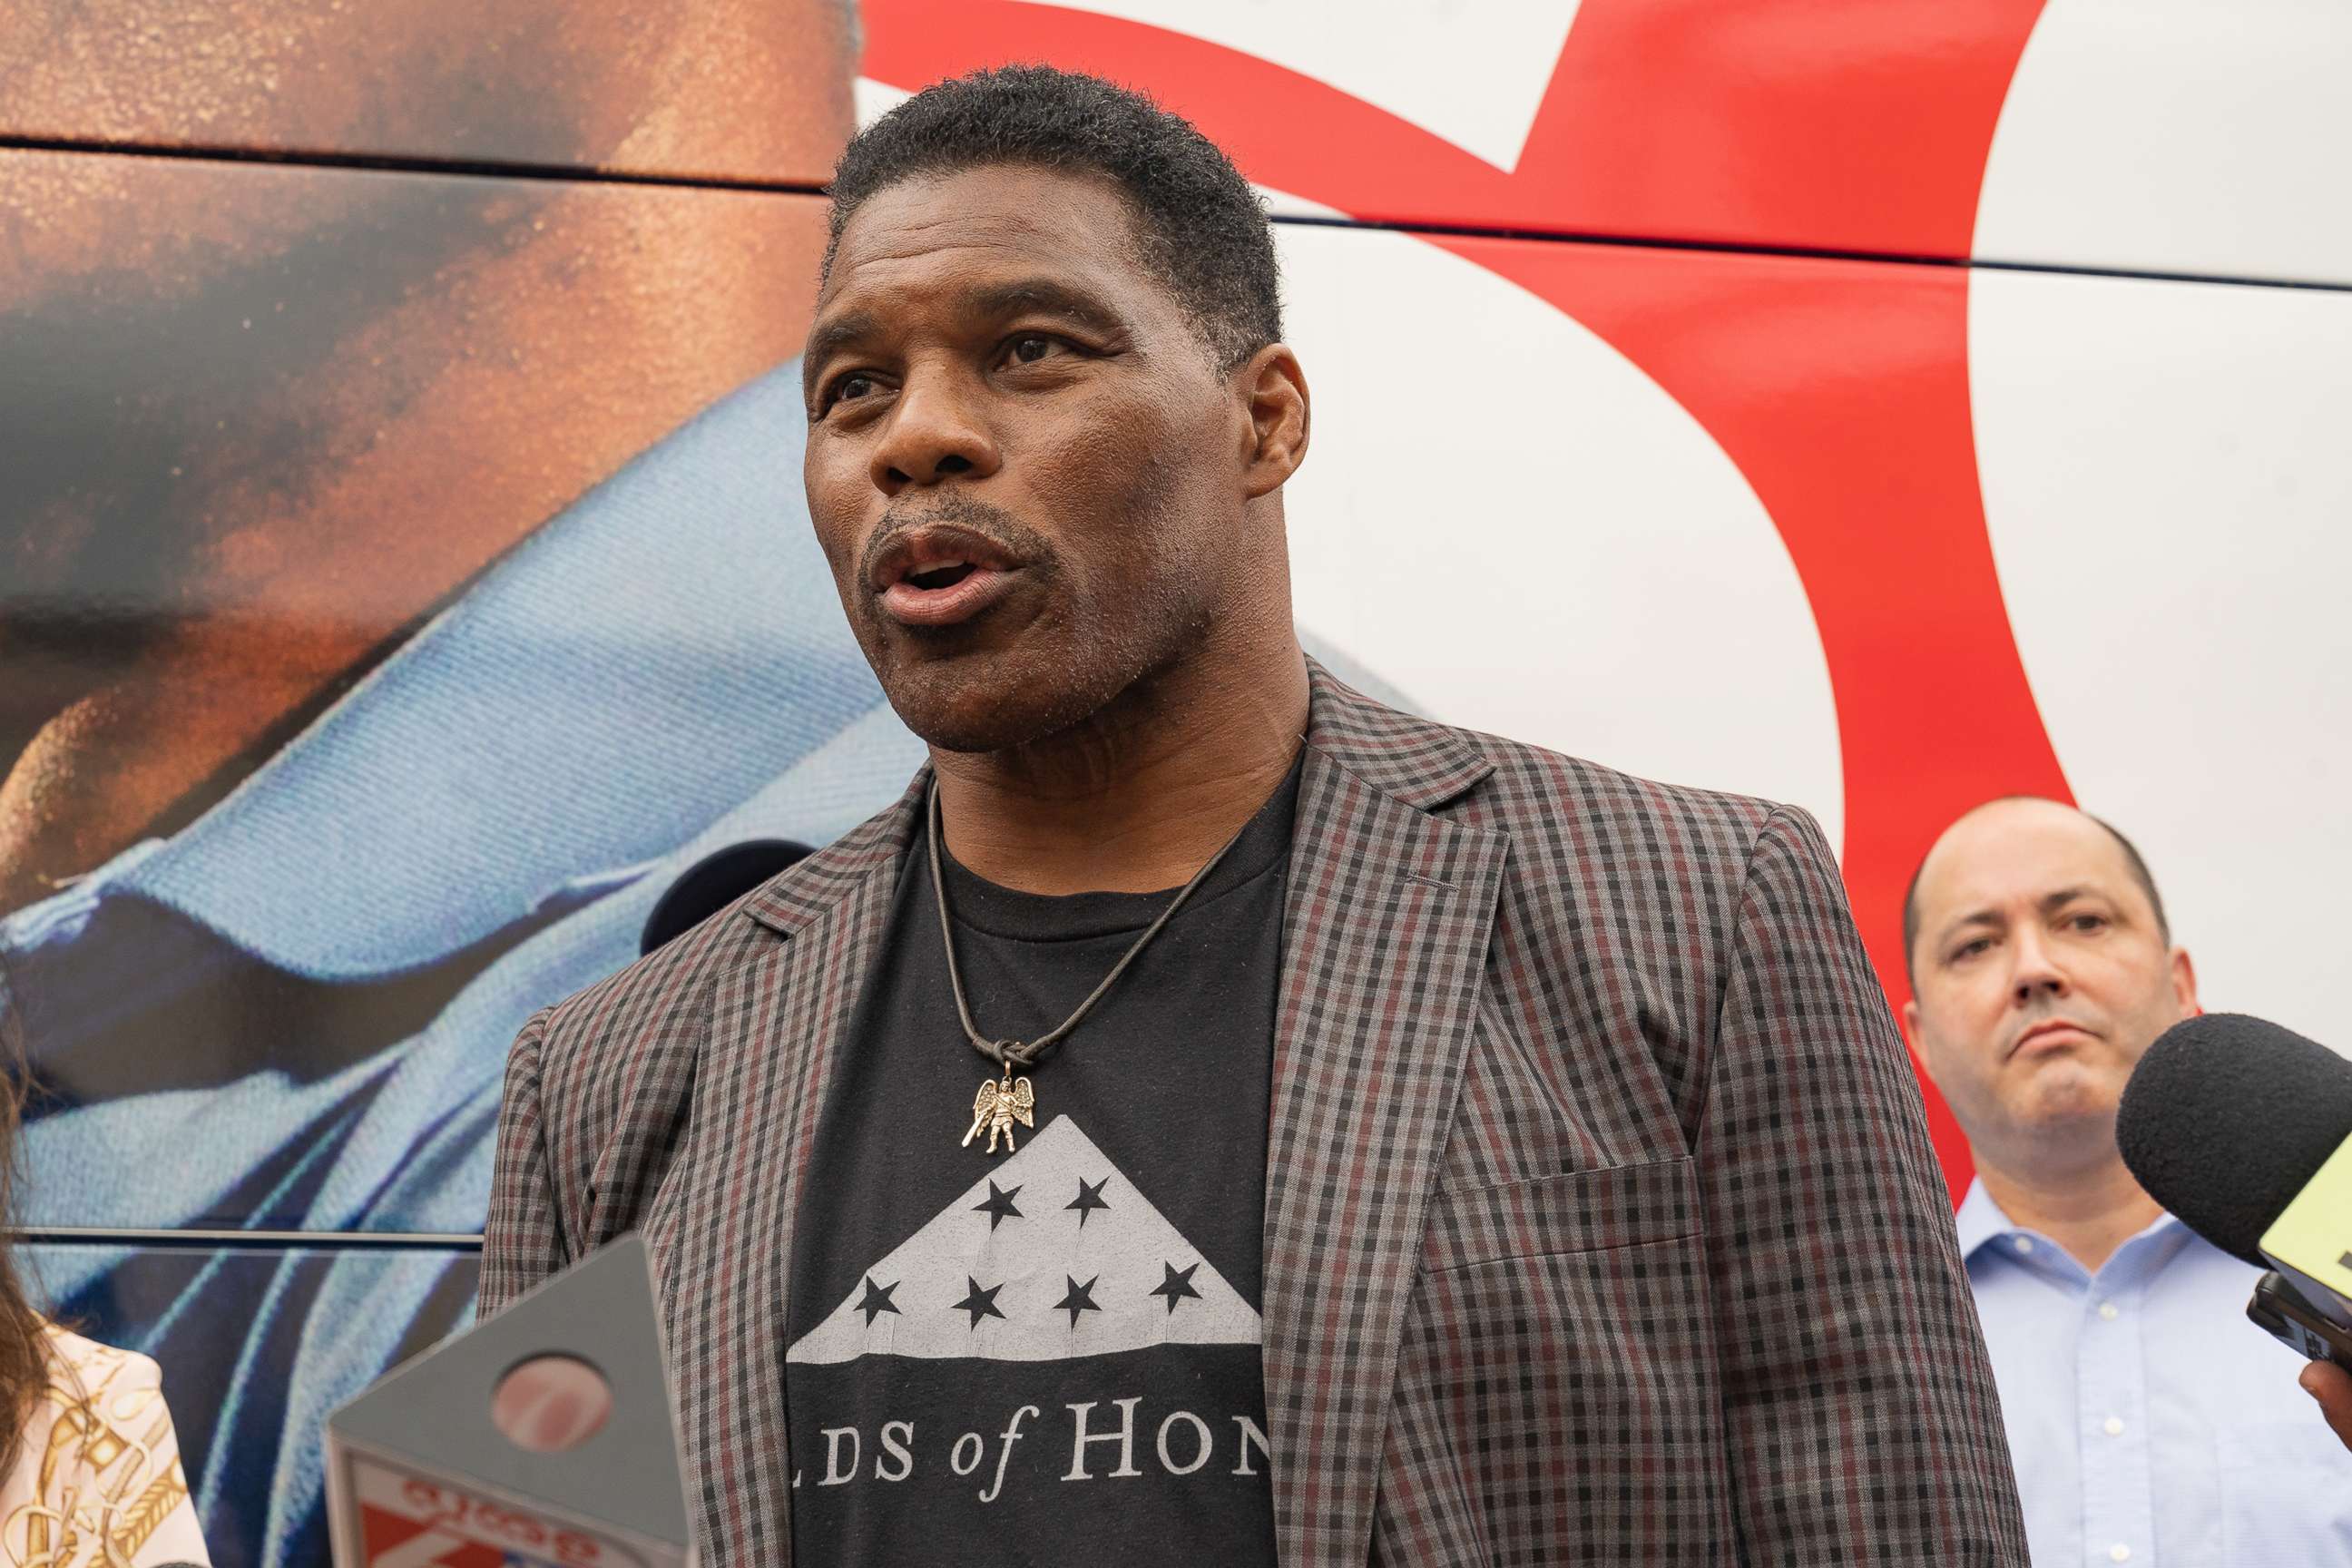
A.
x: 1030, y: 347
x: 2087, y: 922
x: 852, y: 386
x: 1970, y: 949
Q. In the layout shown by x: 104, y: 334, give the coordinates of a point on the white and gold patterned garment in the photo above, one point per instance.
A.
x: 98, y: 1482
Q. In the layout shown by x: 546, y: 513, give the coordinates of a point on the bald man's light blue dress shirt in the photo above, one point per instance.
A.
x: 2151, y: 1423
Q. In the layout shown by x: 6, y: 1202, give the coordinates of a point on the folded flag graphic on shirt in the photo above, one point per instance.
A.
x: 1053, y: 1254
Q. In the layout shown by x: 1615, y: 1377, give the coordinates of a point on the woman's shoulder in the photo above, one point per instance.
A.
x: 80, y: 1363
x: 98, y: 1469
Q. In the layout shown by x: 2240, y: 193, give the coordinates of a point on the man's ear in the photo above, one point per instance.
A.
x: 1276, y: 390
x: 2184, y: 983
x: 1911, y: 1038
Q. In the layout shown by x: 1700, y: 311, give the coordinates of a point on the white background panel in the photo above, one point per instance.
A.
x: 2168, y: 482
x: 874, y: 99
x: 2197, y: 136
x: 1505, y: 518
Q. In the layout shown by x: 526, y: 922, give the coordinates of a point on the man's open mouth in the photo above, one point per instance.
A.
x: 947, y: 576
x: 942, y: 574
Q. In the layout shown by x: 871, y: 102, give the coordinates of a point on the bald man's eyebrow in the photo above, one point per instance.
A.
x: 1973, y: 918
x: 2115, y: 909
x: 2050, y: 903
x: 830, y: 337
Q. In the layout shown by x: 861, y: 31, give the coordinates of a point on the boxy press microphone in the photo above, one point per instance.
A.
x: 438, y: 1465
x: 2243, y: 1130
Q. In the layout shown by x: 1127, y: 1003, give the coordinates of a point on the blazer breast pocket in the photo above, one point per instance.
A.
x: 1604, y: 1210
x: 1570, y: 1316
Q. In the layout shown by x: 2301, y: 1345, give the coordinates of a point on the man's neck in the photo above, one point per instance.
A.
x: 2090, y: 1210
x: 1137, y: 798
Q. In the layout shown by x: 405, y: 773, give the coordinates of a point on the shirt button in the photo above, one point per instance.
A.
x: 2119, y: 1552
x: 2024, y: 1244
x: 2107, y: 1311
x: 2113, y: 1427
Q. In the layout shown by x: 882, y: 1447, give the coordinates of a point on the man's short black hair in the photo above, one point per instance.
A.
x: 2137, y: 867
x: 1199, y: 229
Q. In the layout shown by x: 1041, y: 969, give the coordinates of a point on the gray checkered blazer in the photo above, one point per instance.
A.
x: 1602, y: 1224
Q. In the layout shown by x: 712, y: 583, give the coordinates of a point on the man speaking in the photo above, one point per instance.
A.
x: 1213, y: 1117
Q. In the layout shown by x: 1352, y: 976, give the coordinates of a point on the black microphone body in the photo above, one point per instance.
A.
x: 2234, y: 1125
x: 2227, y: 1118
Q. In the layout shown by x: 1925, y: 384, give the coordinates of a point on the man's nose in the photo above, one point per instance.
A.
x: 934, y: 432
x: 2034, y: 971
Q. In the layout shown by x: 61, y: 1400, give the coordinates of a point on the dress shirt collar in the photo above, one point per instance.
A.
x: 1980, y: 1222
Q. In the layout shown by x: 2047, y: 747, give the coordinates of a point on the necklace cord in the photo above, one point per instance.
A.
x: 1009, y: 1054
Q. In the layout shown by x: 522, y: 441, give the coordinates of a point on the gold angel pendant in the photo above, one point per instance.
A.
x: 1000, y: 1104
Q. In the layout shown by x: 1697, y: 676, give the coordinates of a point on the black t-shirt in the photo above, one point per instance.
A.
x: 1051, y: 1355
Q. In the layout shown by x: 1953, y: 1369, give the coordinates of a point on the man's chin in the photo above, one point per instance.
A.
x: 1018, y: 682
x: 2068, y: 1101
x: 979, y: 704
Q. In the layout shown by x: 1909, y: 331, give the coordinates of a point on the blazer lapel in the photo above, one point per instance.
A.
x: 777, y: 1026
x: 1385, y: 937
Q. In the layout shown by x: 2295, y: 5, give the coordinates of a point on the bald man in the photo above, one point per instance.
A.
x: 2150, y: 1422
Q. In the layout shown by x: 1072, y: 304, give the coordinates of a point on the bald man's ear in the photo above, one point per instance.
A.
x: 1911, y: 1038
x: 1275, y: 388
x: 2184, y: 983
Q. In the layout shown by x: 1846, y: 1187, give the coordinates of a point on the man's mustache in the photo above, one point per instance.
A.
x: 999, y: 527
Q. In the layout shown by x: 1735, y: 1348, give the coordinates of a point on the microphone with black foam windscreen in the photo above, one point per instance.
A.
x: 2243, y: 1130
